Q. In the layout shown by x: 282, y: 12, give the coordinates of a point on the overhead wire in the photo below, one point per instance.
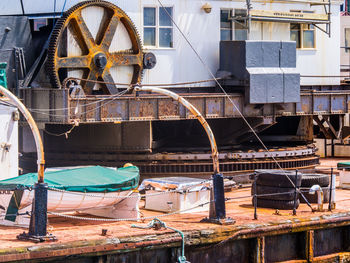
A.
x: 73, y: 107
x: 223, y: 90
x: 121, y: 84
x: 87, y: 111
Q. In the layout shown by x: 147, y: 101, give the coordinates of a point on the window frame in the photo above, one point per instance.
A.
x: 157, y: 27
x: 236, y: 25
x: 346, y: 41
x: 303, y: 28
x: 231, y: 24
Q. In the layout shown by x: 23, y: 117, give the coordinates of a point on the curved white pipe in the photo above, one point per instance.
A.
x: 196, y: 113
x: 38, y: 142
x: 318, y: 189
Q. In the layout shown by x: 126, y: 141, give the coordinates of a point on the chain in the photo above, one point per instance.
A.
x: 122, y: 197
x: 126, y: 219
x: 112, y: 197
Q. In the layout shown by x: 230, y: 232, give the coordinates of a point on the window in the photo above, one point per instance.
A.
x: 158, y: 27
x: 241, y: 32
x: 225, y: 25
x: 303, y: 35
x: 233, y: 26
x: 347, y: 39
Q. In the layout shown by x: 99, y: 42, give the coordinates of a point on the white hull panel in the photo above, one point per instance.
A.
x: 119, y: 205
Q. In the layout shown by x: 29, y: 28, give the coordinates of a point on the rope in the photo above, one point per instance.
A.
x: 158, y: 224
x: 139, y: 84
x: 61, y: 134
x: 112, y: 197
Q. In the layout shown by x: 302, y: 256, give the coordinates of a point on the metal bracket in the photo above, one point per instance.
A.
x: 326, y: 31
x: 6, y: 146
x: 28, y: 237
x: 219, y: 221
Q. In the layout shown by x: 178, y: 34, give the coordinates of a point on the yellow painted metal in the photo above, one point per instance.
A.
x: 310, y: 245
x: 96, y: 60
x: 291, y: 15
x: 38, y: 142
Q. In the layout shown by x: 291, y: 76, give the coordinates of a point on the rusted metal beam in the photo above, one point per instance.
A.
x: 331, y: 128
x: 323, y: 129
x: 309, y: 245
x: 159, y: 107
x: 260, y: 257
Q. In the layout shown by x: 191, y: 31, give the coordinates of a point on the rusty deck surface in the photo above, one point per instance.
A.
x: 77, y: 236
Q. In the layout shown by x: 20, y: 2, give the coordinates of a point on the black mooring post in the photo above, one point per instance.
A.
x: 330, y: 192
x: 219, y: 196
x: 255, y: 199
x: 217, y: 210
x: 295, y: 193
x: 38, y: 219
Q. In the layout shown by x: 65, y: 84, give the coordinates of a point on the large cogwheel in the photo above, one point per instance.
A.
x: 97, y: 41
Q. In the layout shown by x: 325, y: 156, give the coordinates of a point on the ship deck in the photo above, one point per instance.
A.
x: 81, y: 237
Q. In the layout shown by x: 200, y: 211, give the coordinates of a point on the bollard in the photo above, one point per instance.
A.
x: 255, y: 199
x: 219, y: 196
x: 38, y: 219
x: 331, y: 204
x: 295, y: 193
x: 217, y: 212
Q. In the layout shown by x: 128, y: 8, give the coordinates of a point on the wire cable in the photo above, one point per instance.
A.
x: 83, y: 112
x: 223, y: 90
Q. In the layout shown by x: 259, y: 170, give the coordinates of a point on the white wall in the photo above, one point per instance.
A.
x: 202, y: 30
x: 344, y: 56
x: 325, y: 59
x: 8, y: 137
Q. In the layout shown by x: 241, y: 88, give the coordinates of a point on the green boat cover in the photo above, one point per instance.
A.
x: 343, y: 165
x: 86, y: 179
x: 3, y: 80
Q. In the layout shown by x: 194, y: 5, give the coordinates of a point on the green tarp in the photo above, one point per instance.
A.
x: 3, y: 80
x: 86, y: 179
x: 343, y: 165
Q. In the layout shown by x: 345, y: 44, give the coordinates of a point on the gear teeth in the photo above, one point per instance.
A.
x: 59, y: 27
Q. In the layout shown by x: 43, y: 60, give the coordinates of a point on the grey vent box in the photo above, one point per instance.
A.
x: 268, y: 68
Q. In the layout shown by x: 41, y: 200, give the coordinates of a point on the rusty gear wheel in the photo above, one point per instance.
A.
x: 95, y: 40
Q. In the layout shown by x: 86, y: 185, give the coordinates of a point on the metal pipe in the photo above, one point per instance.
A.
x: 318, y: 189
x: 255, y: 198
x: 330, y: 192
x: 34, y: 128
x: 196, y: 113
x: 295, y: 193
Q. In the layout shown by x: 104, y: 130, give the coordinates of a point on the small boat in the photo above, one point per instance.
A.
x: 95, y: 190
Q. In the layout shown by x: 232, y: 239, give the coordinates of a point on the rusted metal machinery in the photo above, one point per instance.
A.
x: 90, y: 119
x: 94, y: 57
